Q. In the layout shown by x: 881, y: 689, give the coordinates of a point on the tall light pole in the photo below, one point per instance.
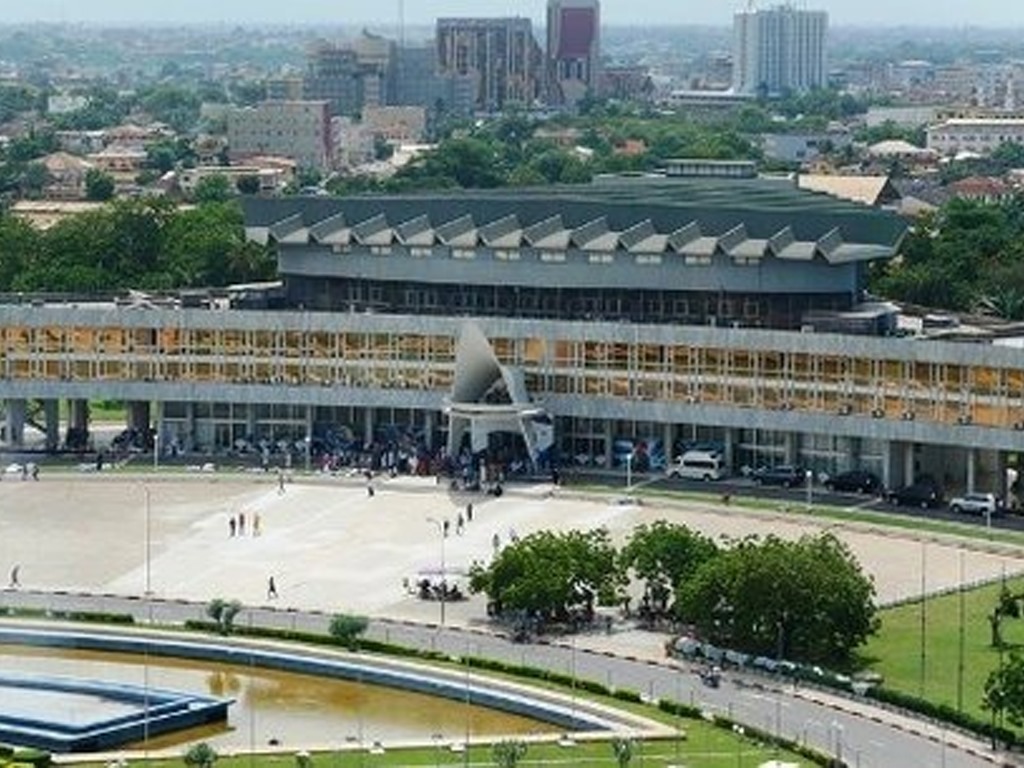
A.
x: 629, y: 470
x: 444, y: 584
x: 148, y: 541
x: 156, y: 451
x: 809, y: 478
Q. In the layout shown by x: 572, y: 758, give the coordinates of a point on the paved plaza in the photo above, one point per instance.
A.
x: 330, y: 545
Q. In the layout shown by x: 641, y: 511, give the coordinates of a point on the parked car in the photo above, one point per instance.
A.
x: 923, y: 494
x: 784, y: 475
x: 856, y: 480
x: 976, y: 504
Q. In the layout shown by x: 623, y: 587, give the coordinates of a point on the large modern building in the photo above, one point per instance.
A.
x: 500, y: 53
x: 573, y: 50
x: 678, y: 310
x: 778, y: 50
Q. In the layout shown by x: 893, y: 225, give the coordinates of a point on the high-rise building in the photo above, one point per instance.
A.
x: 333, y: 75
x: 574, y: 49
x: 418, y: 82
x: 501, y: 53
x: 778, y: 50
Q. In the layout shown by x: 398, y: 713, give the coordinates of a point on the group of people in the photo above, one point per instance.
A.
x: 236, y: 524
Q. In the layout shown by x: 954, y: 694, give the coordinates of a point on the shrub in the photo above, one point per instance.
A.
x: 346, y: 629
x: 200, y: 755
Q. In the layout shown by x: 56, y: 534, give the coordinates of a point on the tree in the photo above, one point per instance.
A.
x: 1009, y: 606
x: 346, y: 629
x: 551, y: 577
x: 249, y: 184
x: 508, y: 752
x: 99, y: 186
x: 201, y: 755
x: 806, y: 600
x: 33, y: 179
x: 215, y: 188
x: 223, y: 613
x: 623, y: 751
x: 1004, y: 691
x: 665, y: 555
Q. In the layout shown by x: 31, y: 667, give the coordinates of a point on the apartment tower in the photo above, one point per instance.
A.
x: 778, y: 50
x: 573, y: 50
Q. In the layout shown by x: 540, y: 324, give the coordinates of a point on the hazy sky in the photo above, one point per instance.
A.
x: 1004, y: 13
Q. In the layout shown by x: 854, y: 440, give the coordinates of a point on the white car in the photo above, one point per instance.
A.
x: 976, y: 504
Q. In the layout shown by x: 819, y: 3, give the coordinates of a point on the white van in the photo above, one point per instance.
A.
x: 699, y: 465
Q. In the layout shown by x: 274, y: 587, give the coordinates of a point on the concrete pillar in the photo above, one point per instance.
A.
x: 190, y: 427
x: 429, y: 425
x: 15, y: 431
x: 729, y: 448
x: 908, y: 464
x: 250, y: 422
x: 78, y: 423
x: 158, y: 426
x: 853, y: 452
x: 78, y: 414
x: 668, y: 442
x: 608, y: 440
x: 972, y: 468
x: 137, y: 412
x: 791, y: 441
x: 368, y: 426
x: 51, y: 413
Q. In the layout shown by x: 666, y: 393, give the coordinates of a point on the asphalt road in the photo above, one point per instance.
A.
x: 877, y: 740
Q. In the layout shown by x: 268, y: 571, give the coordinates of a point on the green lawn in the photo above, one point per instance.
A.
x: 704, y: 747
x: 895, y: 652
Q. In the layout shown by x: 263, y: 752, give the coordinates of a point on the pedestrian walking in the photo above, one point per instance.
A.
x: 15, y: 580
x: 256, y: 529
x: 231, y: 525
x: 445, y: 526
x: 280, y: 483
x: 496, y: 543
x: 469, y: 512
x: 369, y: 490
x: 35, y: 472
x: 271, y: 589
x: 460, y: 523
x: 241, y: 523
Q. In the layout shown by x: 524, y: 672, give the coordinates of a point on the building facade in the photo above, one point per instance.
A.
x: 573, y: 50
x: 778, y: 50
x: 299, y: 130
x: 681, y: 318
x: 981, y: 135
x: 501, y: 54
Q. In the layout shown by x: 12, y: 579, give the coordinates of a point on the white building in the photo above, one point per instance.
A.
x: 980, y: 135
x: 778, y: 49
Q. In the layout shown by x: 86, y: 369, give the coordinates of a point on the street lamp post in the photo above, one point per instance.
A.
x: 156, y: 451
x: 629, y: 470
x: 148, y: 540
x: 809, y: 478
x: 444, y: 584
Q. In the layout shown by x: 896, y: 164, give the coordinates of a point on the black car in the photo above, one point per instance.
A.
x: 925, y: 495
x: 856, y: 480
x: 785, y: 475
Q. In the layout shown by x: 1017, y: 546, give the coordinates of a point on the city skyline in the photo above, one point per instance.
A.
x: 981, y: 13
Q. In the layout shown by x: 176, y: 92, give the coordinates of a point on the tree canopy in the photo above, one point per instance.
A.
x: 665, y: 556
x: 805, y: 599
x: 145, y: 244
x: 552, y: 577
x: 968, y: 256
